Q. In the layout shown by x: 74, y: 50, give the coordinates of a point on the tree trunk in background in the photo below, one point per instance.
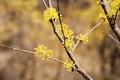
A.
x: 109, y: 53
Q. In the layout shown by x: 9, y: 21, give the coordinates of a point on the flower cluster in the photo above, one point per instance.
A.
x: 114, y: 5
x: 82, y: 38
x: 69, y: 44
x: 51, y: 13
x: 68, y: 34
x: 69, y: 65
x: 43, y: 52
x: 103, y: 16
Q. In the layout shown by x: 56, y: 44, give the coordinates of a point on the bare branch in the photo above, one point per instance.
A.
x: 84, y: 74
x: 114, y: 39
x: 45, y: 4
x: 30, y: 52
x: 69, y: 53
x: 94, y: 28
x: 110, y: 19
x: 54, y: 29
x: 116, y: 14
x: 57, y: 60
x: 104, y: 5
x: 75, y: 45
x: 60, y: 21
x: 114, y: 27
x: 50, y: 3
x: 88, y: 33
x: 16, y: 49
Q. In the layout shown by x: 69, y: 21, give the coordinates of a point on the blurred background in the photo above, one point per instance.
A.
x: 22, y: 26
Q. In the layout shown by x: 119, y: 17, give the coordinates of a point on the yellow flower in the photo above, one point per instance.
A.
x: 82, y: 38
x: 68, y: 33
x: 68, y: 65
x: 69, y: 44
x: 114, y: 5
x: 43, y: 52
x: 103, y: 16
x: 50, y: 13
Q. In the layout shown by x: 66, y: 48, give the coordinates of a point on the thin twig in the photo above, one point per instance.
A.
x: 16, y: 49
x: 104, y: 5
x: 114, y: 39
x: 75, y: 45
x: 50, y: 3
x: 116, y: 13
x: 60, y: 21
x: 45, y: 4
x: 57, y: 60
x: 54, y: 29
x: 93, y: 28
x: 83, y: 73
x: 70, y: 55
x: 110, y: 19
x: 87, y: 34
x: 26, y: 51
x: 68, y: 52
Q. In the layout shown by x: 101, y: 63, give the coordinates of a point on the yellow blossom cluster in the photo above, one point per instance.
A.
x: 43, y: 52
x: 114, y: 5
x: 69, y: 65
x: 103, y: 16
x: 69, y: 44
x: 51, y: 13
x: 68, y: 34
x: 82, y: 38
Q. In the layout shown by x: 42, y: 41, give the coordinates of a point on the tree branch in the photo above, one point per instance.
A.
x: 60, y: 21
x: 110, y: 19
x: 45, y: 4
x: 16, y: 49
x: 50, y: 3
x: 114, y: 39
x: 69, y: 53
x: 88, y: 33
